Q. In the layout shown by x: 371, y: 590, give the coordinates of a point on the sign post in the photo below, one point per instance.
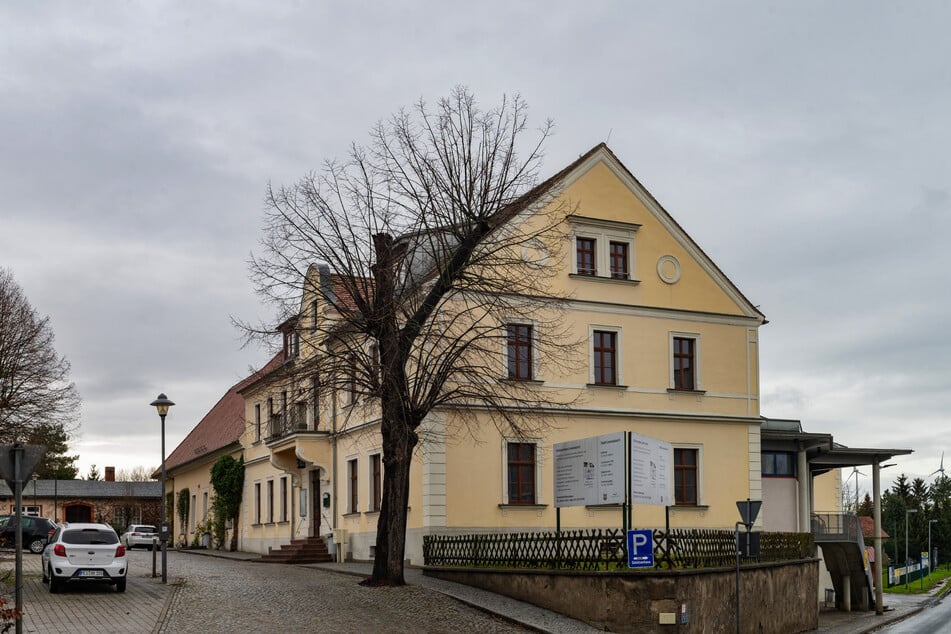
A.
x: 640, y: 549
x: 748, y: 509
x: 17, y: 463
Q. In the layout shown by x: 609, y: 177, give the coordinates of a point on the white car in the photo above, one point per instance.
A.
x: 139, y: 535
x: 87, y: 553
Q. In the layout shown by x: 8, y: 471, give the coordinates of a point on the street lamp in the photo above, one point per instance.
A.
x: 907, y: 513
x: 930, y: 563
x: 36, y: 507
x: 161, y: 404
x: 54, y: 465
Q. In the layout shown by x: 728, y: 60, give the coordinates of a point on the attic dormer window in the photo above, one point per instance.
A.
x: 291, y: 345
x: 604, y: 249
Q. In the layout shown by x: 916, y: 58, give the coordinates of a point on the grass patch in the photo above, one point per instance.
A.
x: 919, y: 586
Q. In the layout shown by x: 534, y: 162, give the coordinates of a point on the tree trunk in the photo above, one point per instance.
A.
x: 391, y: 527
x: 234, y: 531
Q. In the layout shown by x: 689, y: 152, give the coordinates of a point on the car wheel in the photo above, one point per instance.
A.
x: 37, y: 546
x: 55, y: 584
x: 120, y: 585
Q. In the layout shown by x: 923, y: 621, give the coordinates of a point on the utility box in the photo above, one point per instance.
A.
x: 340, y: 543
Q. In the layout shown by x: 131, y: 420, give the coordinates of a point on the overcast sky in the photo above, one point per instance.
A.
x: 803, y: 145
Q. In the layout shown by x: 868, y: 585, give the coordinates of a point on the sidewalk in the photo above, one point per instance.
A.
x: 897, y: 606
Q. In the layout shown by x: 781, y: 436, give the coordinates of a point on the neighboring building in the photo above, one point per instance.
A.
x: 111, y: 502
x: 189, y: 465
x: 672, y: 351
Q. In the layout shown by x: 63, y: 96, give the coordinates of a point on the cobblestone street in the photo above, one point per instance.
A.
x: 222, y: 595
x: 210, y: 595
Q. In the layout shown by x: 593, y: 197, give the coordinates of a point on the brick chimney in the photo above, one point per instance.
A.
x: 110, y: 474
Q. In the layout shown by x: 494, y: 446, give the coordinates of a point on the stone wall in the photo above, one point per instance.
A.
x: 775, y: 597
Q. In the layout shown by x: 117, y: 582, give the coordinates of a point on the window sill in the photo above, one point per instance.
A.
x: 604, y: 278
x: 531, y: 507
x: 352, y: 514
x: 607, y: 386
x: 673, y: 390
x: 508, y: 379
x: 689, y: 507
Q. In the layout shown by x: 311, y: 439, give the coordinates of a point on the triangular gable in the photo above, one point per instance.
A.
x: 601, y: 158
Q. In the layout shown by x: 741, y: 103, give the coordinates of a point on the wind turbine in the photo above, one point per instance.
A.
x: 856, y: 473
x: 940, y: 468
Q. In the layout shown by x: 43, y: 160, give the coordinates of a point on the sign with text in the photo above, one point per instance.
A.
x: 640, y: 549
x: 650, y: 475
x: 589, y: 471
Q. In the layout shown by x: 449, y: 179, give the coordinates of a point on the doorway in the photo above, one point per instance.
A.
x: 315, y: 503
x: 78, y: 513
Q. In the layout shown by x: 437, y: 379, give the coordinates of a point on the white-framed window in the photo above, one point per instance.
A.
x: 688, y: 474
x: 521, y: 471
x: 193, y: 512
x: 684, y: 356
x: 602, y: 249
x: 282, y: 503
x: 269, y: 500
x: 353, y: 486
x: 204, y: 506
x: 257, y: 422
x: 257, y: 502
x: 520, y: 350
x: 605, y: 360
x: 375, y: 480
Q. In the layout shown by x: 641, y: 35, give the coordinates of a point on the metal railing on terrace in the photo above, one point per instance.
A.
x: 835, y: 527
x: 606, y: 549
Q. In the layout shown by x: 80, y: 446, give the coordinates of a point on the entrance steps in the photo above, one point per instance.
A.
x: 311, y: 550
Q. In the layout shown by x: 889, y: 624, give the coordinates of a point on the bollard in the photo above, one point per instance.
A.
x: 153, y: 558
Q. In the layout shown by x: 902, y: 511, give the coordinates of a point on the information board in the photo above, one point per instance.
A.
x: 650, y: 471
x: 589, y: 471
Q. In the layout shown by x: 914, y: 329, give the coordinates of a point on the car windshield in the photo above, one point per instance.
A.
x: 89, y: 536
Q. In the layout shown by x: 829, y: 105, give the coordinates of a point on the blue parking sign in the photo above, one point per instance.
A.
x: 640, y: 549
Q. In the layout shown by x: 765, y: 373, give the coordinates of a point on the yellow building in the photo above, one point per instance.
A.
x: 670, y: 352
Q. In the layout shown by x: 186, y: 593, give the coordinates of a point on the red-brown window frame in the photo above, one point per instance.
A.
x: 685, y: 358
x: 686, y: 477
x: 619, y: 260
x: 522, y: 486
x: 519, y: 344
x: 376, y: 469
x: 354, y: 476
x: 586, y: 254
x: 604, y: 348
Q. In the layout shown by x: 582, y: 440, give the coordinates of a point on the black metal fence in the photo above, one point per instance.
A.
x: 606, y: 549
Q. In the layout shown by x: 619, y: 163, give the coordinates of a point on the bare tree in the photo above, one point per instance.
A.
x: 136, y: 474
x: 35, y: 389
x: 434, y: 240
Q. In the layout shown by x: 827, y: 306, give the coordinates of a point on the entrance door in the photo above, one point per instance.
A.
x: 78, y: 513
x: 315, y: 502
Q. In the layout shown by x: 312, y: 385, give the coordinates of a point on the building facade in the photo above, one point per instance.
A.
x: 668, y: 348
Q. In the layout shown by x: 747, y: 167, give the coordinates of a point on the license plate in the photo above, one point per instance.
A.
x: 90, y: 573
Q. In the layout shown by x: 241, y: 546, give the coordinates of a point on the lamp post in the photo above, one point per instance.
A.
x: 54, y: 465
x: 930, y: 563
x: 907, y: 513
x: 161, y: 404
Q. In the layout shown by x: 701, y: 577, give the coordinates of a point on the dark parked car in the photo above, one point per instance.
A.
x: 36, y: 532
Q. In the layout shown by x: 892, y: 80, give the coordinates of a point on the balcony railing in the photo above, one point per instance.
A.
x: 281, y: 425
x: 835, y: 527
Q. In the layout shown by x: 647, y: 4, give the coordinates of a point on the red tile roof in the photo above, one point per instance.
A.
x: 222, y: 425
x: 868, y: 528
